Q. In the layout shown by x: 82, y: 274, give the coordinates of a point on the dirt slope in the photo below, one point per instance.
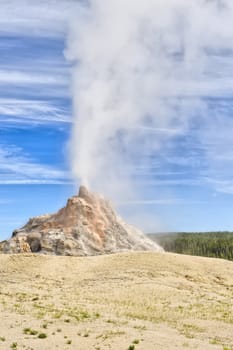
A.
x: 146, y: 300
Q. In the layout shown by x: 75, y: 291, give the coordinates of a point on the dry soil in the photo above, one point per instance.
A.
x: 138, y: 301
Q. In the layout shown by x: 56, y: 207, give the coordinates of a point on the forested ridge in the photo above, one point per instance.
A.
x: 209, y: 244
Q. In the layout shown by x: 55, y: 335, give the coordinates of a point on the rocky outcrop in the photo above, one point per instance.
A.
x: 87, y: 225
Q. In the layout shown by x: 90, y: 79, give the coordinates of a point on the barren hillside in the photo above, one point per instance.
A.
x: 123, y: 301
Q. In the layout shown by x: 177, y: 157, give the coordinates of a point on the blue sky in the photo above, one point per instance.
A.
x: 187, y: 186
x: 35, y: 112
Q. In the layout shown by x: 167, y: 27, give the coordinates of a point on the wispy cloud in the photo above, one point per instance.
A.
x: 32, y: 111
x: 16, y: 168
x: 143, y: 202
x: 222, y: 184
x: 28, y: 78
x: 34, y: 89
x: 159, y: 131
x: 47, y: 18
x: 21, y: 78
x: 171, y: 182
x: 32, y: 64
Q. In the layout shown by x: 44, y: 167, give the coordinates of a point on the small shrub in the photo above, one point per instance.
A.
x: 42, y: 335
x: 2, y: 339
x: 131, y: 347
x: 14, y: 346
x: 30, y: 331
x: 35, y: 298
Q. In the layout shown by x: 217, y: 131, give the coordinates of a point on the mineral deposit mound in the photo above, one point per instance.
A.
x: 87, y: 225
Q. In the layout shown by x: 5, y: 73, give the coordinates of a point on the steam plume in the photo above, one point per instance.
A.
x: 140, y: 70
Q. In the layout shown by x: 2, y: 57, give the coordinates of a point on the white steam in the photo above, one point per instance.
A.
x: 140, y: 70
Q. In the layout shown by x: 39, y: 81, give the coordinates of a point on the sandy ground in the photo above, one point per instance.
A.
x: 124, y: 301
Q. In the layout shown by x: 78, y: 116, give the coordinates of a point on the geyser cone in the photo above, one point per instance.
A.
x: 87, y: 225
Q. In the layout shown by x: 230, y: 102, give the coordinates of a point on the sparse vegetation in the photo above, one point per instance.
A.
x: 116, y: 301
x: 131, y: 347
x: 110, y: 334
x: 42, y: 335
x: 30, y: 331
x: 35, y: 298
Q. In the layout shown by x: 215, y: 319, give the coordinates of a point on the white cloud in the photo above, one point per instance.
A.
x: 31, y: 87
x: 34, y: 182
x: 32, y: 111
x: 15, y: 168
x: 222, y: 184
x: 215, y: 138
x: 171, y: 182
x: 34, y: 66
x: 48, y: 18
x: 143, y: 202
x: 22, y: 78
x: 160, y: 131
x: 35, y: 79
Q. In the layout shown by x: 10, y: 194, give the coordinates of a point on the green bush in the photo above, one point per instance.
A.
x: 131, y: 347
x: 42, y: 335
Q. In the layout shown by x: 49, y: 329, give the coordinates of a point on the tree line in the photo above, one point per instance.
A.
x: 209, y: 244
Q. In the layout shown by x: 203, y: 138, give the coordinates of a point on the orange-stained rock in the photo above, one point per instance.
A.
x: 87, y: 225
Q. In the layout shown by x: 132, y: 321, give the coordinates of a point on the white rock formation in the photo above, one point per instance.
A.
x: 87, y: 225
